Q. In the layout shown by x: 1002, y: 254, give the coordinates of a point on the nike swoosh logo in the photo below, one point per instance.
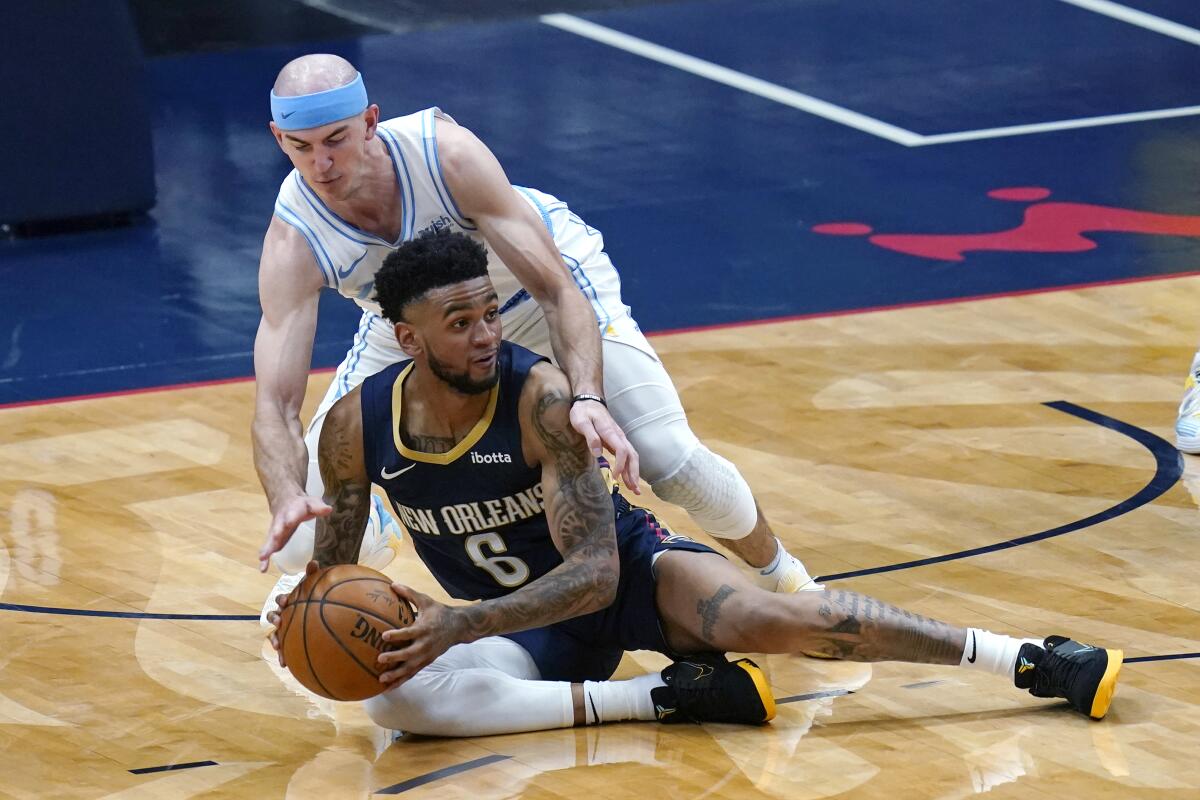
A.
x: 702, y: 670
x: 971, y: 658
x: 346, y: 273
x: 387, y: 476
x: 287, y: 114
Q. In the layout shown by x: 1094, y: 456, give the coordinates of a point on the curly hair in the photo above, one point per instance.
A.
x: 430, y: 261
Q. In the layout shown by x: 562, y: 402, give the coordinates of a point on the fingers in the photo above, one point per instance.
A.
x: 625, y: 457
x: 317, y: 508
x: 632, y: 472
x: 404, y: 669
x: 583, y: 423
x: 284, y: 523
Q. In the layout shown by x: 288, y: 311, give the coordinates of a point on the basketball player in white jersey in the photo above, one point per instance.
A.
x: 360, y: 188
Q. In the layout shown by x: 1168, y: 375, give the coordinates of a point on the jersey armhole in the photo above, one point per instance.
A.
x: 320, y: 258
x: 434, y: 165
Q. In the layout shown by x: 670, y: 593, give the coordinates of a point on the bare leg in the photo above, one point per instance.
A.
x: 757, y: 548
x: 707, y: 604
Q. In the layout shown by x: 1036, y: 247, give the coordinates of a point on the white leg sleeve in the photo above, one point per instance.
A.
x: 374, y: 349
x: 679, y: 468
x: 479, y: 689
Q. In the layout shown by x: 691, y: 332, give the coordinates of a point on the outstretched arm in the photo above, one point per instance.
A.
x: 519, y: 238
x: 580, y: 516
x: 289, y: 285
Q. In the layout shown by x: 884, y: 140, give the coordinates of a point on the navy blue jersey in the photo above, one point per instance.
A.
x: 475, y: 514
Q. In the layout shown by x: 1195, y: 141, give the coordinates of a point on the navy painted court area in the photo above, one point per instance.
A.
x: 705, y: 158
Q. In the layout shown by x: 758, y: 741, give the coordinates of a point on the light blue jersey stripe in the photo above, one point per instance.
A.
x: 434, y: 165
x: 545, y: 212
x: 336, y: 223
x: 585, y: 285
x: 356, y: 351
x: 406, y: 185
x: 318, y: 250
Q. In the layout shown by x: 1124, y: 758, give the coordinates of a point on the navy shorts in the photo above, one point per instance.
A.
x: 590, y: 647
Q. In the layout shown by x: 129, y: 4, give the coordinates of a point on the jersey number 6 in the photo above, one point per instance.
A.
x: 507, y: 570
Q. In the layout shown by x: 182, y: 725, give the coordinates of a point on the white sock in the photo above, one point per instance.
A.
x: 777, y: 562
x: 993, y: 652
x: 768, y: 577
x: 613, y: 701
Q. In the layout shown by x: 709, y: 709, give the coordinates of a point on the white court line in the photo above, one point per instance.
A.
x: 1139, y: 18
x: 729, y: 77
x: 852, y: 119
x: 1060, y: 125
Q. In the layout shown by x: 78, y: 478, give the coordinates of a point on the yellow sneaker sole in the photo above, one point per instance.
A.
x: 760, y: 683
x: 1108, y: 684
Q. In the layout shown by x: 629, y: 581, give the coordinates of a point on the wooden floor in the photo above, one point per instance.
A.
x: 871, y: 439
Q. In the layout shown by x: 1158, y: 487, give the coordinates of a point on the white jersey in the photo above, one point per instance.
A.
x: 349, y: 257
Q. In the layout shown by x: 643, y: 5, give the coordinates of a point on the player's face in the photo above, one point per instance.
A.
x: 330, y: 158
x: 460, y: 329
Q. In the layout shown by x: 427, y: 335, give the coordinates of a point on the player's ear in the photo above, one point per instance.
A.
x: 406, y: 337
x: 371, y: 117
x: 278, y: 134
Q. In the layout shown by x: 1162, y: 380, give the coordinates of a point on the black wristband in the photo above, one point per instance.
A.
x: 595, y: 397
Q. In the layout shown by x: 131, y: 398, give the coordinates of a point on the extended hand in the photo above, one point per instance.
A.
x: 598, y: 428
x: 435, y: 631
x: 284, y: 522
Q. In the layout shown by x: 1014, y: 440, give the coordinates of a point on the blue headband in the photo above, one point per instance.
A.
x: 319, y: 108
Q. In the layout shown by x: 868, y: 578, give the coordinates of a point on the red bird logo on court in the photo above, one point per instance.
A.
x: 1050, y: 227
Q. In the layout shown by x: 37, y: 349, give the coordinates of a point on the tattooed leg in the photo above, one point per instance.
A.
x: 707, y: 604
x: 856, y: 627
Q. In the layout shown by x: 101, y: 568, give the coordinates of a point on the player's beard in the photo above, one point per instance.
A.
x: 461, y: 381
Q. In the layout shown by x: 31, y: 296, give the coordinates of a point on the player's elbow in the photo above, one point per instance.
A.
x: 606, y: 576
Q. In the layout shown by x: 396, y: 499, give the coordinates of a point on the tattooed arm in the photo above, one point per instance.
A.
x: 579, y: 512
x: 580, y: 516
x: 347, y: 487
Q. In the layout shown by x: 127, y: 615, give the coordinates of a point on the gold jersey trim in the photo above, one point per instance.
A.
x: 470, y: 440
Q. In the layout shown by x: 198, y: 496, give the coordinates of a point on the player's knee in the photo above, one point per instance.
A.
x: 417, y: 706
x: 399, y: 710
x: 714, y: 494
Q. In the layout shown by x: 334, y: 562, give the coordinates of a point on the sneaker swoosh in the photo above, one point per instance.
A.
x: 702, y: 670
x: 971, y: 658
x: 387, y: 476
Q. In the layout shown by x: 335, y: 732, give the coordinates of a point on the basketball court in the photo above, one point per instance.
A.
x: 926, y: 272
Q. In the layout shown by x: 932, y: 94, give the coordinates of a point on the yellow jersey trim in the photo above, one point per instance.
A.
x: 470, y: 440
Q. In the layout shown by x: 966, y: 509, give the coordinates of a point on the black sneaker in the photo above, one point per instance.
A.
x: 707, y: 688
x: 1085, y: 676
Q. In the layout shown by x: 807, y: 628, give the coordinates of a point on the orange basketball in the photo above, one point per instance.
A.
x: 331, y: 630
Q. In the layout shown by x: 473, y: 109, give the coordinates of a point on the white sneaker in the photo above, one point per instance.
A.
x: 1187, y: 426
x: 379, y: 544
x: 793, y: 577
x: 382, y: 537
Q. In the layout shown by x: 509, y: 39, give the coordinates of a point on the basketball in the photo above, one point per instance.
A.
x: 331, y: 630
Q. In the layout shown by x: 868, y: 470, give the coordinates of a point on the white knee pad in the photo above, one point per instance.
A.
x: 714, y: 494
x: 643, y: 401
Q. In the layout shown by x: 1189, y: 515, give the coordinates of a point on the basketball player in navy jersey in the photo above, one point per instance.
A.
x: 471, y: 439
